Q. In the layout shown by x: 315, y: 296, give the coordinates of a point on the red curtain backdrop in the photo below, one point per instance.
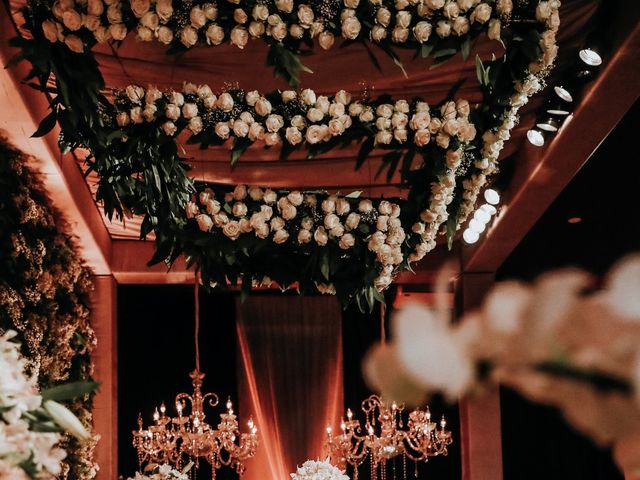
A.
x: 290, y: 378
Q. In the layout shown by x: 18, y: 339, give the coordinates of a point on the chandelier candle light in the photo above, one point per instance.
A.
x: 385, y: 438
x: 177, y: 441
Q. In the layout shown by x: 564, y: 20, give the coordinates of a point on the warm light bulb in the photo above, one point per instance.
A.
x: 491, y: 196
x: 163, y: 408
x: 394, y: 406
x: 535, y: 138
x: 443, y: 423
x: 590, y: 57
x: 476, y: 226
x: 156, y: 415
x: 470, y: 237
x: 428, y: 414
x: 349, y: 414
x: 370, y: 430
x: 329, y: 430
x: 343, y: 426
x: 490, y: 209
x: 250, y: 424
x: 229, y: 404
x: 482, y: 216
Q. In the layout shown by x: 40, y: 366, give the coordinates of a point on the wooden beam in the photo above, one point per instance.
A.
x: 22, y: 109
x: 105, y: 359
x: 543, y: 173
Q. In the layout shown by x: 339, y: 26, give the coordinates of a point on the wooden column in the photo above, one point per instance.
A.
x: 481, y: 436
x: 105, y: 358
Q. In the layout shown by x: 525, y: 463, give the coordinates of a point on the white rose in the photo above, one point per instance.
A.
x: 482, y: 13
x: 434, y: 4
x: 74, y: 43
x: 284, y: 5
x: 197, y: 17
x: 136, y: 115
x: 210, y: 11
x: 169, y: 128
x: 308, y: 96
x: 365, y: 206
x: 140, y: 7
x: 384, y: 110
x: 454, y: 158
x: 240, y: 16
x: 295, y: 198
x: 114, y: 13
x: 494, y: 29
x: 443, y: 28
x: 304, y: 236
x: 337, y: 231
x: 435, y: 125
x: 240, y: 128
x: 204, y: 222
x: 225, y: 102
x: 403, y: 19
x: 52, y: 30
x: 239, y: 37
x: 305, y: 14
x: 263, y: 107
x: 277, y: 223
x: 288, y: 211
x: 504, y: 7
x: 260, y: 12
x: 376, y: 241
x: 326, y: 40
x: 331, y: 220
x: 149, y: 112
x: 451, y: 10
x: 422, y: 31
x: 366, y: 115
x: 256, y: 193
x: 381, y: 223
x: 270, y: 196
x: 320, y: 236
x: 400, y: 35
x: 274, y: 123
x: 189, y: 36
x: 256, y: 132
x: 164, y: 9
x: 215, y: 34
x: 95, y: 7
x: 315, y: 114
x: 442, y: 139
x: 543, y: 11
x: 288, y: 96
x: 422, y: 137
x: 256, y: 29
x: 336, y: 127
x: 278, y: 31
x: 239, y: 209
x: 293, y: 135
x: 461, y: 26
x: 232, y: 229
x: 222, y: 130
x: 378, y: 33
x: 307, y: 223
x: 351, y: 28
x: 72, y: 20
x: 262, y: 230
x: 351, y: 3
x: 383, y: 137
x: 151, y: 21
x: 448, y: 111
x: 191, y: 210
x: 123, y: 119
x: 172, y: 112
x: 451, y: 127
x: 239, y: 192
x: 165, y: 35
x: 401, y: 134
x: 352, y: 221
x: 118, y: 31
x: 271, y: 139
x: 383, y: 17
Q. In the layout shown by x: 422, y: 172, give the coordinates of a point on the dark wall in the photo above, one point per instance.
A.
x: 536, y: 441
x: 156, y: 355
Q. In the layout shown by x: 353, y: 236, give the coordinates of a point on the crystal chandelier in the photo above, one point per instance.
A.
x: 384, y: 438
x: 187, y: 437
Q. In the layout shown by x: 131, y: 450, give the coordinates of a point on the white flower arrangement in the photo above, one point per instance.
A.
x: 161, y: 472
x: 318, y: 470
x: 400, y: 22
x: 558, y: 341
x: 26, y: 452
x: 493, y: 140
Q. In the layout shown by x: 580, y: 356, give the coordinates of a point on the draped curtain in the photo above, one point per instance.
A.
x: 290, y: 378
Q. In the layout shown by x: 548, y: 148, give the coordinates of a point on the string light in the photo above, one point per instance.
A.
x: 491, y: 196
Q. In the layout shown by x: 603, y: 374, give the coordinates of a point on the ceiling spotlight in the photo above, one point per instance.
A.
x: 590, y: 57
x: 490, y: 209
x: 476, y: 225
x: 470, y: 237
x: 563, y: 93
x: 558, y: 111
x: 548, y: 125
x: 491, y: 196
x: 535, y: 137
x: 482, y: 216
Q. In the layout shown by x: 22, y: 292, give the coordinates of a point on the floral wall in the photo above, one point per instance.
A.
x: 44, y: 294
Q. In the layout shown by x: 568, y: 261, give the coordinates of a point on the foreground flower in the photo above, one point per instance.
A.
x: 318, y: 470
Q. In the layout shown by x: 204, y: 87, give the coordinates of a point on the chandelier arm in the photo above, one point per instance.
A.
x: 196, y: 294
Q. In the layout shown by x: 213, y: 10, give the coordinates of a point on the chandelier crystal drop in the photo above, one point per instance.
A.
x: 384, y: 437
x: 187, y: 437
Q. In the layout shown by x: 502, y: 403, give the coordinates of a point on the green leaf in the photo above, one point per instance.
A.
x: 365, y: 150
x: 324, y: 265
x: 480, y: 71
x: 465, y: 47
x: 445, y: 52
x: 46, y: 125
x: 425, y: 50
x: 355, y: 194
x: 69, y: 391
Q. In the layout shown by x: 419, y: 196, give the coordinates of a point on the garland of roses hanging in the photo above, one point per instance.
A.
x: 444, y: 153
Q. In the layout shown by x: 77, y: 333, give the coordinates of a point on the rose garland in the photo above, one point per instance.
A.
x: 44, y: 291
x: 499, y: 131
x: 141, y: 171
x: 161, y: 472
x: 430, y: 26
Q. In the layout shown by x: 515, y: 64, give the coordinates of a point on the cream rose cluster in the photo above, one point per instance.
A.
x: 533, y: 81
x: 302, y: 219
x: 318, y: 470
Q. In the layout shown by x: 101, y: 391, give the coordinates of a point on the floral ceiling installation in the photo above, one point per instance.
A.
x: 445, y: 153
x: 565, y: 340
x: 44, y: 290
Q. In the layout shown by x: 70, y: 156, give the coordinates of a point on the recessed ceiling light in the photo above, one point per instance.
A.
x: 482, y: 216
x: 563, y: 93
x: 470, y: 237
x: 590, y: 57
x: 535, y: 137
x: 549, y: 125
x: 491, y: 196
x: 490, y: 209
x: 476, y: 225
x: 559, y: 112
x: 574, y: 220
